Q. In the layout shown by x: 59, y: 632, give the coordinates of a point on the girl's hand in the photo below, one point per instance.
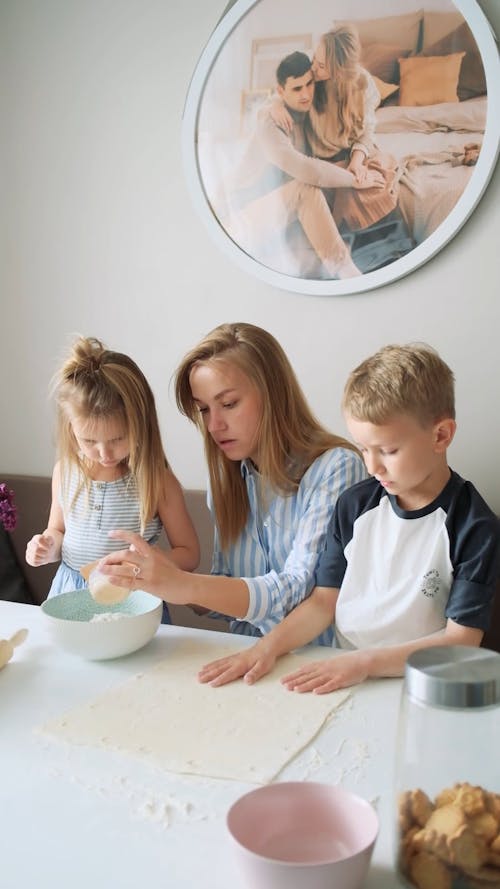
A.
x: 251, y: 665
x: 321, y: 677
x: 41, y: 549
x: 141, y: 567
x: 281, y: 116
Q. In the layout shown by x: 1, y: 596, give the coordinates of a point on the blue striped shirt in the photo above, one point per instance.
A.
x: 277, y: 553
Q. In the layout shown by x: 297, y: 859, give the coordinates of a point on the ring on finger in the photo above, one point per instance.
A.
x: 136, y: 570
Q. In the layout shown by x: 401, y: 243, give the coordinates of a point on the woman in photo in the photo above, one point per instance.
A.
x: 341, y: 127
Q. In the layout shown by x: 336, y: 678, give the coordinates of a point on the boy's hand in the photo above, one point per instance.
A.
x: 41, y: 549
x: 251, y: 665
x: 321, y: 677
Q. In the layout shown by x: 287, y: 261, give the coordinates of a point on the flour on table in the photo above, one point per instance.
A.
x: 165, y: 716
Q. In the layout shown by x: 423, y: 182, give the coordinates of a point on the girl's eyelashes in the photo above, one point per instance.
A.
x: 230, y: 404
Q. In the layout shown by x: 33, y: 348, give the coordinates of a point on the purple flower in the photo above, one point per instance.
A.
x: 8, y: 511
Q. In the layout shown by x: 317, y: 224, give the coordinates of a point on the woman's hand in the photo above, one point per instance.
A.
x: 321, y: 677
x: 359, y: 172
x: 357, y: 166
x: 281, y: 116
x: 42, y: 549
x: 369, y: 179
x: 251, y: 665
x: 143, y: 567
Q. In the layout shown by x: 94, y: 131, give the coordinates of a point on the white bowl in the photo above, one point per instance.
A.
x: 118, y: 630
x: 302, y: 835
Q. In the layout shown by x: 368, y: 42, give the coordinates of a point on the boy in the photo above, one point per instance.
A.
x: 413, y: 552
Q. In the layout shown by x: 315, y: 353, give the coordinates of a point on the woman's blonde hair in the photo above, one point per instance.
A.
x: 289, y: 437
x: 411, y: 379
x: 342, y: 55
x: 96, y: 383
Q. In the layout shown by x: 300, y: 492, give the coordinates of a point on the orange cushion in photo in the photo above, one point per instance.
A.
x: 429, y: 80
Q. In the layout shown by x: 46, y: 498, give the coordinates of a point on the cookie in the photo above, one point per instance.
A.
x: 428, y: 872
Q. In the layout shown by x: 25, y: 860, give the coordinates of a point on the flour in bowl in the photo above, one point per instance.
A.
x: 107, y: 617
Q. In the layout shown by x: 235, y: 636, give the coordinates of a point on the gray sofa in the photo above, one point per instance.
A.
x: 33, y: 496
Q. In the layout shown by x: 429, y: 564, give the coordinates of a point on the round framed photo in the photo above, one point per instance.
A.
x: 335, y: 146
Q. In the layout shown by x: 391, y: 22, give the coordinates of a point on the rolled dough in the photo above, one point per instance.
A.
x: 238, y: 731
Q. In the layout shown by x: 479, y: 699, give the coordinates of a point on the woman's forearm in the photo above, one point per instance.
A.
x: 228, y: 595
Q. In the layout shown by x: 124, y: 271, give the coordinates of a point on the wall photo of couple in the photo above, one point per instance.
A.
x: 340, y: 144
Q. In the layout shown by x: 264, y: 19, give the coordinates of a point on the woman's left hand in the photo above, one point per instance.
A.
x: 359, y: 173
x: 142, y: 567
x: 281, y: 116
x: 321, y: 677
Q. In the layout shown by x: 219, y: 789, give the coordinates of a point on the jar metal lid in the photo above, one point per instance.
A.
x: 455, y: 676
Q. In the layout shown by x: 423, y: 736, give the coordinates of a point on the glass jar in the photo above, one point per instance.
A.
x: 448, y: 770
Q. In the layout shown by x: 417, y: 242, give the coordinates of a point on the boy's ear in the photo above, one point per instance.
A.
x: 444, y: 430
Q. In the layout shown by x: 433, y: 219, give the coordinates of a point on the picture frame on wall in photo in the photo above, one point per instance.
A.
x: 324, y: 189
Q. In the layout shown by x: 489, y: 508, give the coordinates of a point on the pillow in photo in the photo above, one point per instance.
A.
x: 429, y: 80
x: 472, y: 80
x: 437, y: 25
x: 384, y: 40
x: 382, y: 60
x: 384, y: 89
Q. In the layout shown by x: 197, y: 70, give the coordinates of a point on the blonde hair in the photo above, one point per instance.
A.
x: 97, y: 383
x: 342, y: 56
x: 289, y: 437
x: 411, y: 379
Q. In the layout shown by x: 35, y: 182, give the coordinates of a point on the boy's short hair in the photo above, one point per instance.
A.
x: 410, y: 379
x: 294, y: 65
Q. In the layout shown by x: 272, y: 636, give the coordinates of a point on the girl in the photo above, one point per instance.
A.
x: 112, y: 470
x: 275, y: 475
x: 341, y: 125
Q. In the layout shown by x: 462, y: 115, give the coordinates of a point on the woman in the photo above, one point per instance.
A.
x: 275, y: 474
x: 341, y: 127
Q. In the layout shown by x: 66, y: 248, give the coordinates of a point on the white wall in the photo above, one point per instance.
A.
x: 98, y: 236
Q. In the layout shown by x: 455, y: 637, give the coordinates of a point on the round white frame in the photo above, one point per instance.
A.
x: 234, y: 13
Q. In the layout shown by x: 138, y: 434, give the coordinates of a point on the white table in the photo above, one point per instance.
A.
x: 93, y: 819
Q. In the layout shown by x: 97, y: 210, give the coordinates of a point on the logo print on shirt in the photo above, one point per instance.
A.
x: 430, y: 586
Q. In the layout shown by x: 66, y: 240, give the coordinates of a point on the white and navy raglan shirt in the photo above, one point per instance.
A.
x: 402, y: 573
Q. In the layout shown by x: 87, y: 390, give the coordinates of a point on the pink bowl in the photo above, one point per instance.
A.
x: 303, y: 835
